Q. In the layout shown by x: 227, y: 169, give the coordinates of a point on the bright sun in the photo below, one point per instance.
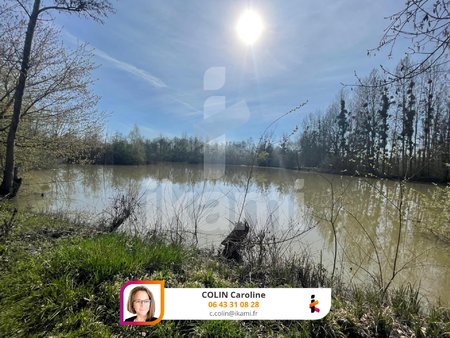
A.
x: 249, y: 27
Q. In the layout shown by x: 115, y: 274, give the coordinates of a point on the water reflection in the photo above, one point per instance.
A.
x: 366, y: 213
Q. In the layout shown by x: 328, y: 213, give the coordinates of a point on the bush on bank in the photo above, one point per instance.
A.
x: 63, y: 280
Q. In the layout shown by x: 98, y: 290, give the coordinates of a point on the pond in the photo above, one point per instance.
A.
x: 297, y: 209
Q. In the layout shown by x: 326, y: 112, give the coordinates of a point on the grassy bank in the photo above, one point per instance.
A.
x: 61, y: 279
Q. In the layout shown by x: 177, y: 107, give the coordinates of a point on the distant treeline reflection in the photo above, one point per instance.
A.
x: 381, y: 128
x: 136, y: 150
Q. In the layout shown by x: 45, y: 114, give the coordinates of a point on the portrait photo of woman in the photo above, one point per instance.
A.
x: 141, y: 303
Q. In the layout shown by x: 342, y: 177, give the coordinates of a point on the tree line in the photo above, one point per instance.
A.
x: 393, y: 124
x: 399, y: 130
x: 396, y: 129
x: 134, y: 149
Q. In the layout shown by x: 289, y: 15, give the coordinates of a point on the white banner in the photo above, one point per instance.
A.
x: 145, y: 302
x: 247, y: 304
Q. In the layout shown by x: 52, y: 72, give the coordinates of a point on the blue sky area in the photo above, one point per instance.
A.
x: 153, y: 56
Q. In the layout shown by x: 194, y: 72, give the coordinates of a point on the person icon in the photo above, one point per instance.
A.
x: 142, y: 303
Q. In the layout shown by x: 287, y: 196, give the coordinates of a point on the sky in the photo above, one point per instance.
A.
x: 177, y: 68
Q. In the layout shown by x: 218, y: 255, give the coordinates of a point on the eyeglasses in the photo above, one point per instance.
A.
x: 143, y: 302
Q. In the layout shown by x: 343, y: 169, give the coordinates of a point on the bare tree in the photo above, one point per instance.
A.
x: 426, y: 23
x: 95, y: 9
x: 54, y: 122
x: 332, y: 213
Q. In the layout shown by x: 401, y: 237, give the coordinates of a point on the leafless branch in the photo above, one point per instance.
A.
x: 23, y: 7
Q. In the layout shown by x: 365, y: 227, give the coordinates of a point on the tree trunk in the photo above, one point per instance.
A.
x: 8, y: 187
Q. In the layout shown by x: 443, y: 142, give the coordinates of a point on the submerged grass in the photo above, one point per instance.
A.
x: 60, y: 279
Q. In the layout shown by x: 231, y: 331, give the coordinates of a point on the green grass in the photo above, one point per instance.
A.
x: 406, y: 303
x: 217, y: 328
x: 63, y: 280
x: 66, y: 286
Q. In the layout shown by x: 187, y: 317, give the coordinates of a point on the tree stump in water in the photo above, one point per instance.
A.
x: 234, y: 241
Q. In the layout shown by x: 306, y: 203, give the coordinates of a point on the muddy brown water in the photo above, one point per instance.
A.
x: 282, y: 203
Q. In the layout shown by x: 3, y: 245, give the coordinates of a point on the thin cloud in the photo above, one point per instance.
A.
x: 129, y: 68
x: 193, y: 111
